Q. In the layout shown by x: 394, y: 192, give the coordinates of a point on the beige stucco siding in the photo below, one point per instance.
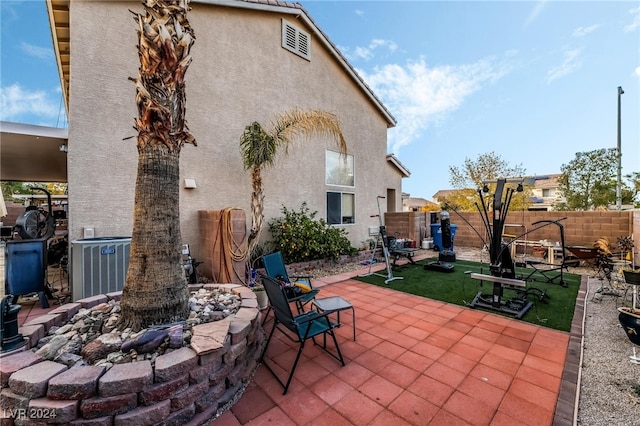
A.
x: 239, y: 74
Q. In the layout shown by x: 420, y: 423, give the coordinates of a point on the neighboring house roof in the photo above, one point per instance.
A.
x: 417, y: 202
x: 59, y: 24
x: 546, y: 181
x: 443, y: 193
x: 538, y: 182
x: 394, y: 160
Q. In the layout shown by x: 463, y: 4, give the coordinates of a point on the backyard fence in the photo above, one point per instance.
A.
x: 580, y: 228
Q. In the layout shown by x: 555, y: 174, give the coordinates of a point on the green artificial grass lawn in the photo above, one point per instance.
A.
x: 556, y: 311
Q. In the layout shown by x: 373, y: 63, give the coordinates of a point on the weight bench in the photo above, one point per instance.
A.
x: 544, y: 271
x: 397, y: 253
x: 516, y: 306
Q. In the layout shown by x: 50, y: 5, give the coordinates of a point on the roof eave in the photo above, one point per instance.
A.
x: 394, y: 160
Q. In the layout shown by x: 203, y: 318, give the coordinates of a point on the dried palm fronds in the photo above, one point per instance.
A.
x: 603, y: 245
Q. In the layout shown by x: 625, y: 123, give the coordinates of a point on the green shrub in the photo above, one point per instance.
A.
x: 300, y: 237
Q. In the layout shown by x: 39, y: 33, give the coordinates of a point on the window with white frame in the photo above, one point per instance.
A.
x: 295, y: 40
x: 339, y: 169
x: 340, y: 208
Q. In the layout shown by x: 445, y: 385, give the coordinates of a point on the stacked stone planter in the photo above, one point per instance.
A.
x: 185, y: 387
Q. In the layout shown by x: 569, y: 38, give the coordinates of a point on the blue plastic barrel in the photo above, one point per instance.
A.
x: 436, y: 233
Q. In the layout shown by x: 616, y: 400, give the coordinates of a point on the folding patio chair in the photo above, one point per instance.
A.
x: 275, y: 268
x: 298, y: 328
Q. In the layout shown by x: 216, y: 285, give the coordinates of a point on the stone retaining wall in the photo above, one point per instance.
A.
x: 185, y: 387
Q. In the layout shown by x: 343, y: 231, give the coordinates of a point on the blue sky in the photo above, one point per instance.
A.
x: 534, y: 82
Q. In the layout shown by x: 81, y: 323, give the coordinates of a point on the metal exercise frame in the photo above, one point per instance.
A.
x: 501, y: 267
x: 382, y: 233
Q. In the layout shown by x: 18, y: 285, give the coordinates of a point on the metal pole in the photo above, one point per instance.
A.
x: 619, y: 184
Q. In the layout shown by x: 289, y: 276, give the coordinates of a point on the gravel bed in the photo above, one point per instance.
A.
x: 609, y: 382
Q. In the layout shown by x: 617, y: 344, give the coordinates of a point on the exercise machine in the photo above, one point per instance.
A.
x: 384, y: 241
x: 447, y: 255
x: 501, y: 268
x: 547, y: 272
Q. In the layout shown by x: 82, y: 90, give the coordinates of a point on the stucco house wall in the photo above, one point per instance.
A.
x: 240, y: 73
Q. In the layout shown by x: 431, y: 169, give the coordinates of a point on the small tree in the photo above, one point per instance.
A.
x: 631, y: 189
x: 259, y: 147
x: 473, y: 175
x: 587, y: 181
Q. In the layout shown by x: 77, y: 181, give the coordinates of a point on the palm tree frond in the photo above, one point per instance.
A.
x: 305, y: 123
x: 257, y: 147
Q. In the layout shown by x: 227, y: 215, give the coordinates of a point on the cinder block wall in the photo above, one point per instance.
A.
x: 580, y: 228
x: 218, y: 250
x: 404, y: 225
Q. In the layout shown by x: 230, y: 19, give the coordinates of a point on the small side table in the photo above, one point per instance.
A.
x: 336, y: 304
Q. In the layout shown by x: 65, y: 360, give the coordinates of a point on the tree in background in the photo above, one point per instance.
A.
x: 156, y: 289
x: 259, y: 148
x: 588, y: 181
x: 10, y: 188
x: 631, y: 189
x: 471, y: 176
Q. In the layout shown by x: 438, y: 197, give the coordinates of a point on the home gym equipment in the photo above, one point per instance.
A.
x: 550, y: 267
x: 446, y: 255
x: 382, y: 238
x: 501, y: 267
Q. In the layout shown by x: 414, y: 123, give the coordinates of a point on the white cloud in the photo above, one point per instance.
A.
x: 419, y: 95
x: 36, y: 51
x: 368, y: 52
x: 636, y: 20
x: 570, y: 64
x: 16, y: 102
x: 359, y: 12
x: 637, y: 71
x: 583, y: 31
x: 537, y: 10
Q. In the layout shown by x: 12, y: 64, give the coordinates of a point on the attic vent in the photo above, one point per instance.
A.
x: 295, y: 40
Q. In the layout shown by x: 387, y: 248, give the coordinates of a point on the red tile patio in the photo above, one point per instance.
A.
x: 416, y: 361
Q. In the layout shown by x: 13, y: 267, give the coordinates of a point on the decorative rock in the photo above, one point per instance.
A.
x: 176, y: 339
x: 50, y: 350
x: 149, y: 341
x: 69, y: 359
x: 64, y: 329
x: 110, y: 324
x: 209, y: 337
x: 101, y: 346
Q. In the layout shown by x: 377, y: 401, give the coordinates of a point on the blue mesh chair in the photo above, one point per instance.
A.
x: 297, y: 328
x: 275, y: 268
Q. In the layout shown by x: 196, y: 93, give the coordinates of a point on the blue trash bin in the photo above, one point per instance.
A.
x: 436, y: 233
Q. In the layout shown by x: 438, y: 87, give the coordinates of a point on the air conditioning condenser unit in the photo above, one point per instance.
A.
x: 98, y: 265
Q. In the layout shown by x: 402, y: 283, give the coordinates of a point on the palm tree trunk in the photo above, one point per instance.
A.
x: 156, y: 289
x: 257, y: 209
